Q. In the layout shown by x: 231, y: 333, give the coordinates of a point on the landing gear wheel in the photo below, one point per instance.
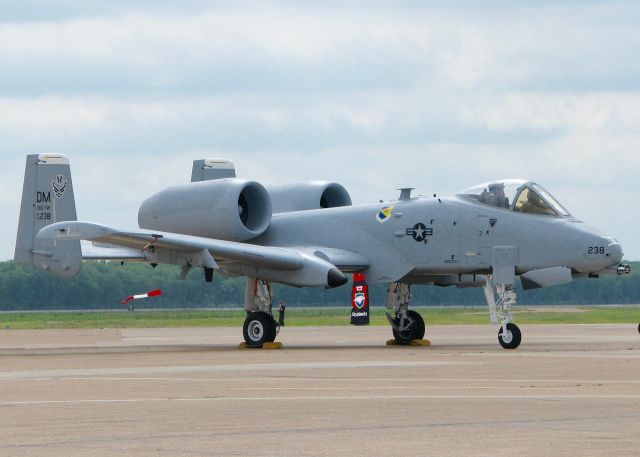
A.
x: 419, y: 323
x: 259, y: 328
x: 512, y: 338
x: 414, y: 332
x: 638, y: 328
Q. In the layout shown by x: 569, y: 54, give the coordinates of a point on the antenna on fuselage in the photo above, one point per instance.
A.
x: 405, y: 193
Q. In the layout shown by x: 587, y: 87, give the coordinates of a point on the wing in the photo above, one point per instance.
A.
x: 97, y: 251
x: 305, y: 267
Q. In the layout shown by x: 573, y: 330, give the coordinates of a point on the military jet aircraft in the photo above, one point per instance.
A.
x: 309, y: 235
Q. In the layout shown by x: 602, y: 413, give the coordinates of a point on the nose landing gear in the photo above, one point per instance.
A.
x: 509, y: 336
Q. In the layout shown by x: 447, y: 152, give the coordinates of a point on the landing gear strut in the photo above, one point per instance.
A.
x: 259, y: 326
x: 509, y: 335
x: 407, y: 325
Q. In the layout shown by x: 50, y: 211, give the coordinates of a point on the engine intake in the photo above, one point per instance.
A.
x: 226, y: 209
x: 305, y: 196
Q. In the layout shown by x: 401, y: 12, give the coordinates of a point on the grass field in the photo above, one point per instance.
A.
x: 307, y: 317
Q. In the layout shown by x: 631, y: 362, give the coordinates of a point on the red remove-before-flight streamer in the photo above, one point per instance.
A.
x: 152, y: 293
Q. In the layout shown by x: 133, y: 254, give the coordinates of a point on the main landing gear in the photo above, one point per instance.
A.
x: 509, y: 334
x: 407, y: 325
x: 259, y: 327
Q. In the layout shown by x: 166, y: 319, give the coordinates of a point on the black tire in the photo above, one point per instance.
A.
x: 259, y: 328
x: 513, y: 340
x: 420, y: 327
x: 414, y: 332
x: 638, y: 328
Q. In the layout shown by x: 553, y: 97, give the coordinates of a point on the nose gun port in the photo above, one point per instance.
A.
x: 623, y: 269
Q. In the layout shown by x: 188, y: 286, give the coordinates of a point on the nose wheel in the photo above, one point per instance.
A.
x: 509, y: 336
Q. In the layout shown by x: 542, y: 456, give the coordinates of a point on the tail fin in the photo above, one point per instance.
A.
x: 47, y: 197
x: 208, y: 169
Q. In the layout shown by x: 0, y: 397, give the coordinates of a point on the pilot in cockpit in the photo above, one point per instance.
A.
x: 494, y: 195
x: 517, y: 195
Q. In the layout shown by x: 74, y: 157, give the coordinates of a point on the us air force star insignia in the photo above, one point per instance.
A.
x: 59, y: 185
x: 420, y: 232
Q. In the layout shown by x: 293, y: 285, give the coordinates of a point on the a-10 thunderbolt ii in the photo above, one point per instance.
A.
x: 309, y: 235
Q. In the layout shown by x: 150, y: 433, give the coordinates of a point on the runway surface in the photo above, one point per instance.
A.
x: 570, y: 390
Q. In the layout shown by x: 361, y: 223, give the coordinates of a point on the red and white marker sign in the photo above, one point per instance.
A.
x: 152, y: 293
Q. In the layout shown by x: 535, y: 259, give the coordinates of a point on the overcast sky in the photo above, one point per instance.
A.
x: 375, y: 95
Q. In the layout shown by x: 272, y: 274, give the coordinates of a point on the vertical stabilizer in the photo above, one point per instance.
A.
x: 47, y: 197
x: 208, y: 169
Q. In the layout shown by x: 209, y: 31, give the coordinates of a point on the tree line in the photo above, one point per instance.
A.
x: 103, y: 285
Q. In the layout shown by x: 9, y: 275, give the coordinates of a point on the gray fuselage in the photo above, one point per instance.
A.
x: 455, y: 235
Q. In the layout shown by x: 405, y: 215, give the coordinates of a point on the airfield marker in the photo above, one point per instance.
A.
x: 151, y: 293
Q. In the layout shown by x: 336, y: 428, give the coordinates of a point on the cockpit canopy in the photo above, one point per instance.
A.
x: 516, y: 195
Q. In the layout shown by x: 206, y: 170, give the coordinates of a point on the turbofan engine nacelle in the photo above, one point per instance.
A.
x: 226, y: 209
x: 305, y: 196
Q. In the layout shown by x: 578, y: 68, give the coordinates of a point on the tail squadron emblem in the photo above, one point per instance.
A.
x: 59, y: 185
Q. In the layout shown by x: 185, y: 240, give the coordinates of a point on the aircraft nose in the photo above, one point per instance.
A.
x: 616, y: 252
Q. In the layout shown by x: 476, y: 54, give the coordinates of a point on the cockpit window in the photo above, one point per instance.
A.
x: 499, y: 194
x: 548, y: 198
x: 517, y: 195
x: 530, y: 202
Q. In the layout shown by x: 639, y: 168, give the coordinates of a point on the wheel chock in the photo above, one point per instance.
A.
x: 423, y: 342
x: 274, y: 345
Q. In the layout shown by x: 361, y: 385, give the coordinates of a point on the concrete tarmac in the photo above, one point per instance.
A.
x: 569, y: 390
